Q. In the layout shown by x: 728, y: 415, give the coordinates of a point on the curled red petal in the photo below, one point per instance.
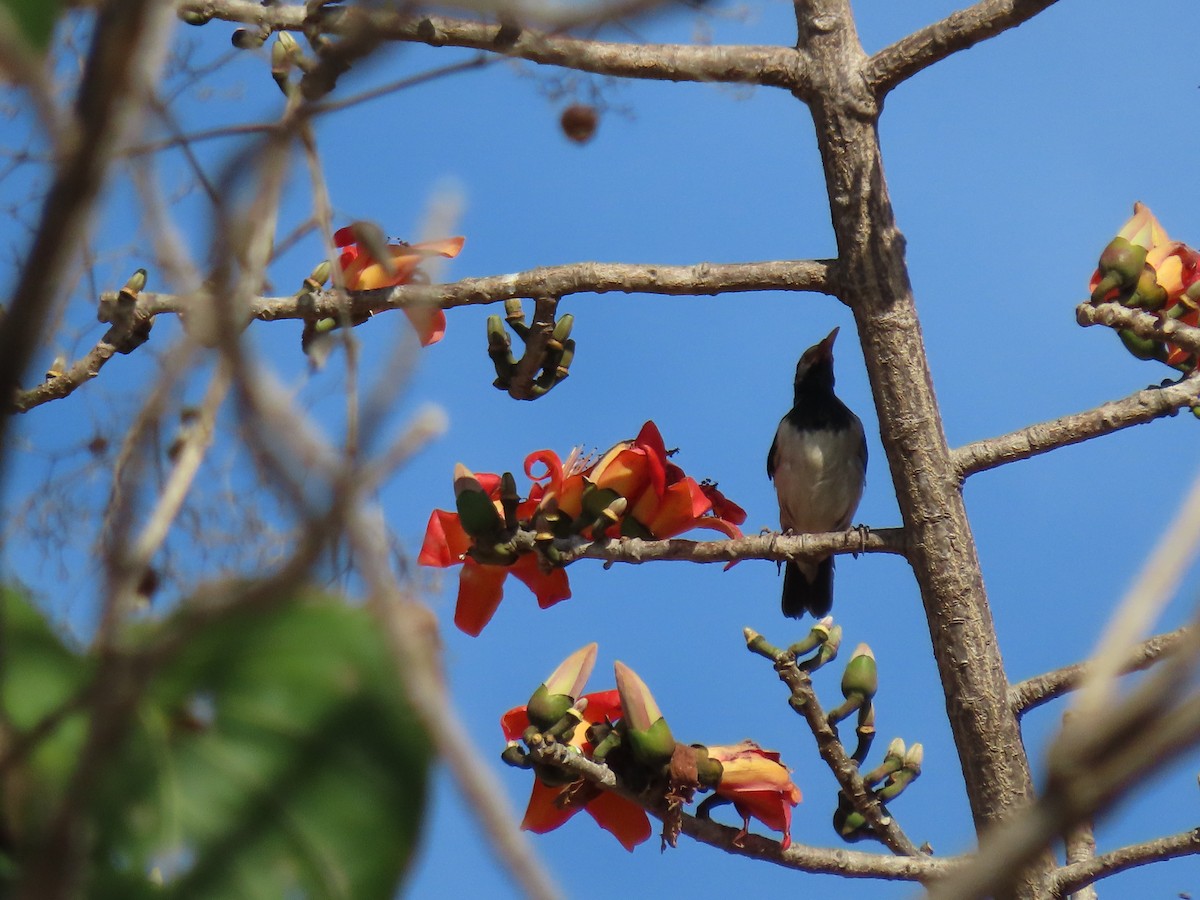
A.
x: 553, y: 474
x: 680, y: 505
x: 344, y: 237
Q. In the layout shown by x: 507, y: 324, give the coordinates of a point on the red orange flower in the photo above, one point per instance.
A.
x: 661, y: 501
x: 551, y: 805
x: 396, y: 264
x: 1143, y: 268
x: 758, y: 784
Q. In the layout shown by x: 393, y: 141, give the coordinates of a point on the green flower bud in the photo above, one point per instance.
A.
x: 1124, y: 260
x: 893, y: 760
x: 476, y: 511
x: 247, y: 39
x: 546, y: 709
x: 136, y: 282
x: 861, y: 676
x: 646, y: 730
x: 515, y: 755
x: 194, y: 17
x: 1143, y: 348
x: 708, y: 770
x: 562, y: 328
x: 817, y: 635
x: 652, y: 747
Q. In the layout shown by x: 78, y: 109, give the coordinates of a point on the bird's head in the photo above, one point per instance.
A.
x: 815, y: 368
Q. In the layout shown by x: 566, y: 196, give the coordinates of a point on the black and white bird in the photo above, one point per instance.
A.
x: 818, y: 462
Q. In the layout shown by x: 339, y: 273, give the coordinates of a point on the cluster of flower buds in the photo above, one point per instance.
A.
x: 900, y: 767
x: 633, y: 490
x: 626, y: 731
x: 129, y: 329
x: 860, y: 682
x: 824, y: 637
x: 1142, y: 268
x: 554, y: 351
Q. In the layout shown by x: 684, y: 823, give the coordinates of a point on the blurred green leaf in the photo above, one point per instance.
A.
x: 274, y: 756
x: 40, y: 675
x: 35, y: 19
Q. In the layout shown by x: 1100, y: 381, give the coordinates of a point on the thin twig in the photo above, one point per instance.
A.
x: 1160, y: 576
x: 1073, y: 877
x: 412, y: 629
x: 1033, y: 692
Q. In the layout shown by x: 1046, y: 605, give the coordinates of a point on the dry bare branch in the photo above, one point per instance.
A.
x: 738, y: 64
x: 1136, y: 409
x: 1033, y: 692
x: 1076, y: 875
x: 958, y: 31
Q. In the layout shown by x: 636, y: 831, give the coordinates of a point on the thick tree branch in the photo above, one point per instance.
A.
x: 773, y: 546
x: 958, y: 31
x: 1034, y: 692
x: 552, y: 281
x: 1136, y: 409
x: 1072, y: 877
x: 846, y: 863
x: 556, y: 281
x: 765, y: 65
x: 874, y: 282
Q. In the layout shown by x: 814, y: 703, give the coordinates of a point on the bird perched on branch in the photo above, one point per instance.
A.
x: 818, y: 462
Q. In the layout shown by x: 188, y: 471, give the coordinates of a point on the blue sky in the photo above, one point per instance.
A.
x: 1010, y: 166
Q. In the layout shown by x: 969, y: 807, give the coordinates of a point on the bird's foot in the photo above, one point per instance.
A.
x: 864, y: 531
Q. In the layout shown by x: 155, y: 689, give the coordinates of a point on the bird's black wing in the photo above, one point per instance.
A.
x: 771, y: 457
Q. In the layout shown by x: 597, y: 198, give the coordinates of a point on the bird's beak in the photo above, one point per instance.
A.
x: 827, y: 344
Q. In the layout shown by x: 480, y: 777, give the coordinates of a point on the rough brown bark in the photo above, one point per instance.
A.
x: 873, y: 280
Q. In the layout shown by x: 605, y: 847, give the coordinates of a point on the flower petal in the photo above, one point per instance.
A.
x: 681, y: 504
x: 623, y: 819
x: 514, y: 722
x: 445, y: 540
x: 553, y: 476
x: 549, y: 587
x: 480, y: 590
x: 543, y: 812
x: 429, y: 323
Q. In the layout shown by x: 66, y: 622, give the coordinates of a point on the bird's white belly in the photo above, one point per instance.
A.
x: 819, y: 480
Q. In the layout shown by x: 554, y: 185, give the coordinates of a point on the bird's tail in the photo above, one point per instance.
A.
x: 808, y: 591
